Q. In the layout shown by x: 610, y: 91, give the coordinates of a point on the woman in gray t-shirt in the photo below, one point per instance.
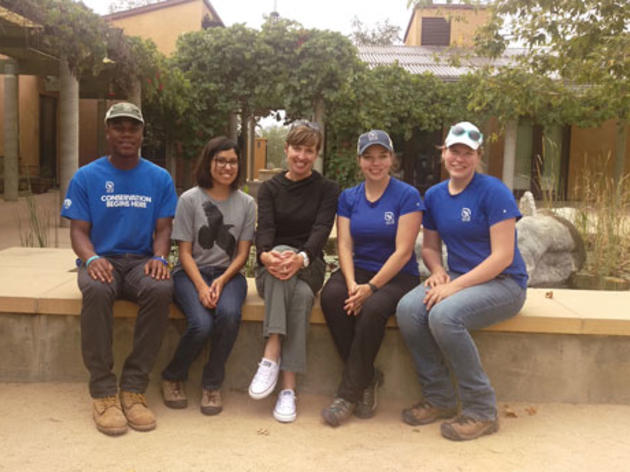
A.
x: 214, y: 228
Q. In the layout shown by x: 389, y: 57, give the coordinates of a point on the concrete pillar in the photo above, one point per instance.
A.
x: 11, y: 133
x: 319, y: 118
x: 251, y: 148
x: 69, y: 129
x: 135, y: 93
x: 233, y: 126
x: 171, y: 159
x: 509, y: 153
x: 101, y: 142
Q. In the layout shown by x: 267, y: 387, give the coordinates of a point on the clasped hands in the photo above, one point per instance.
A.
x: 282, y: 264
x: 357, y: 294
x: 439, y: 286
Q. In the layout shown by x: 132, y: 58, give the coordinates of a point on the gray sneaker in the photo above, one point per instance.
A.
x: 338, y: 411
x: 174, y: 394
x: 369, y: 399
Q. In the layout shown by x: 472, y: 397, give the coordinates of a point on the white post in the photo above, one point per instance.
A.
x: 509, y: 153
x: 69, y: 128
x: 320, y: 111
x: 11, y: 134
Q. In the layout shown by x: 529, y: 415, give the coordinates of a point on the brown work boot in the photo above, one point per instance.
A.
x: 424, y: 413
x: 137, y: 412
x: 211, y: 402
x: 174, y: 394
x: 464, y: 428
x: 108, y: 415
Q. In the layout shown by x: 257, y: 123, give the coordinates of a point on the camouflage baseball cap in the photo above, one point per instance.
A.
x: 124, y: 109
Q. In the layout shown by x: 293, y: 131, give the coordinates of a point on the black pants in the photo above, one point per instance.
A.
x: 358, y: 338
x: 153, y: 297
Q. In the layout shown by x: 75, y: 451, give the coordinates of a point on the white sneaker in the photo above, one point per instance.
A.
x: 285, y: 410
x: 265, y: 379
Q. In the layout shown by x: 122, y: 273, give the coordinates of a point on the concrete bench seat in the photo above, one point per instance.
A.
x: 559, y: 333
x: 43, y: 281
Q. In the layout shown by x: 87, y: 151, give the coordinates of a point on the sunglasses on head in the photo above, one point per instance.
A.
x: 309, y: 124
x: 472, y: 134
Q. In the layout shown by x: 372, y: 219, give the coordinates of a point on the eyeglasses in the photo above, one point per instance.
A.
x: 223, y: 162
x: 309, y: 124
x: 472, y: 134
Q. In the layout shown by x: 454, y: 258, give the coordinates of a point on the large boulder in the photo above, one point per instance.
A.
x: 424, y: 272
x: 551, y: 247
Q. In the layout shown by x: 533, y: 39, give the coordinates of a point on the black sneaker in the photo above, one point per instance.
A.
x: 338, y: 411
x: 369, y: 401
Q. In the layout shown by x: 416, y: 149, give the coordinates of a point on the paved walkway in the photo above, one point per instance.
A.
x: 48, y: 427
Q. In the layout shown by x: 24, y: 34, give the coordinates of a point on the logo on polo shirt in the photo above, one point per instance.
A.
x: 389, y: 218
x: 109, y: 186
x: 67, y: 203
x: 466, y: 213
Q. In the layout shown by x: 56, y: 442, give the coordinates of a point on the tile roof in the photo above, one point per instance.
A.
x: 432, y: 59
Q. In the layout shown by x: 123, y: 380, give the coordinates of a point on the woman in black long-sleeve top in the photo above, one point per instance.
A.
x: 296, y: 210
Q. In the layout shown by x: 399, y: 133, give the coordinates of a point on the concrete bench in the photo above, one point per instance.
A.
x: 535, y: 345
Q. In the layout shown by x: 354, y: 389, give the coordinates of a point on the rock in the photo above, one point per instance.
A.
x: 527, y: 204
x: 424, y: 272
x: 551, y: 247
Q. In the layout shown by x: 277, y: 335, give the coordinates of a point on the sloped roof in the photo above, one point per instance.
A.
x: 157, y: 6
x: 432, y: 59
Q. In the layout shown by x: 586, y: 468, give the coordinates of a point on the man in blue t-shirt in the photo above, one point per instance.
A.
x: 121, y: 209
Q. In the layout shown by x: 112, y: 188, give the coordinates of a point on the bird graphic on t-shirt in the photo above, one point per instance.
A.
x: 215, y: 231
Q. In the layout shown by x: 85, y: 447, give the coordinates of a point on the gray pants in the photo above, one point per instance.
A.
x: 153, y: 297
x: 288, y: 305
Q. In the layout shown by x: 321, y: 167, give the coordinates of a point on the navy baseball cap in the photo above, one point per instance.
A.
x: 375, y: 136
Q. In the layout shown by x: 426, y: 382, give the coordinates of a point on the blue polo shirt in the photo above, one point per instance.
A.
x: 463, y: 222
x: 373, y: 225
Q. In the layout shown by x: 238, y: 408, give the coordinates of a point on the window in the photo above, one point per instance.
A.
x: 435, y: 32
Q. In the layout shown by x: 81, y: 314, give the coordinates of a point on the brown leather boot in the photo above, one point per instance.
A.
x: 108, y: 416
x: 174, y: 394
x: 464, y: 428
x: 211, y: 402
x: 424, y: 413
x: 137, y: 412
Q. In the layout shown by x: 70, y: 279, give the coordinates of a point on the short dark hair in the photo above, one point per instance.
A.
x: 211, y: 149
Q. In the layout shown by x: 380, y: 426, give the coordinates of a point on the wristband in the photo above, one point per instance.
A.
x: 373, y: 287
x: 161, y: 259
x: 90, y: 260
x: 305, y: 257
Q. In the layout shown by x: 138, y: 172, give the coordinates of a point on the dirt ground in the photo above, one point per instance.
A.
x: 48, y: 427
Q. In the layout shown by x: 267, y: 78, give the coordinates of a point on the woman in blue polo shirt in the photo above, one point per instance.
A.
x: 475, y: 215
x: 377, y: 225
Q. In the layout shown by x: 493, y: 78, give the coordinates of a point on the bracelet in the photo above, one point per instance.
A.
x: 90, y: 260
x: 161, y: 259
x: 373, y: 287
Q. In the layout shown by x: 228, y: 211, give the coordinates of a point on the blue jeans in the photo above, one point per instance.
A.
x: 220, y: 325
x: 439, y: 340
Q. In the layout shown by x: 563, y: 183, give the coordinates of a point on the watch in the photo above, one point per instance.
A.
x: 306, y: 259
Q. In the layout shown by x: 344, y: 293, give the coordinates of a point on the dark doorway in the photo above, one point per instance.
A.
x: 48, y: 138
x: 420, y: 159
